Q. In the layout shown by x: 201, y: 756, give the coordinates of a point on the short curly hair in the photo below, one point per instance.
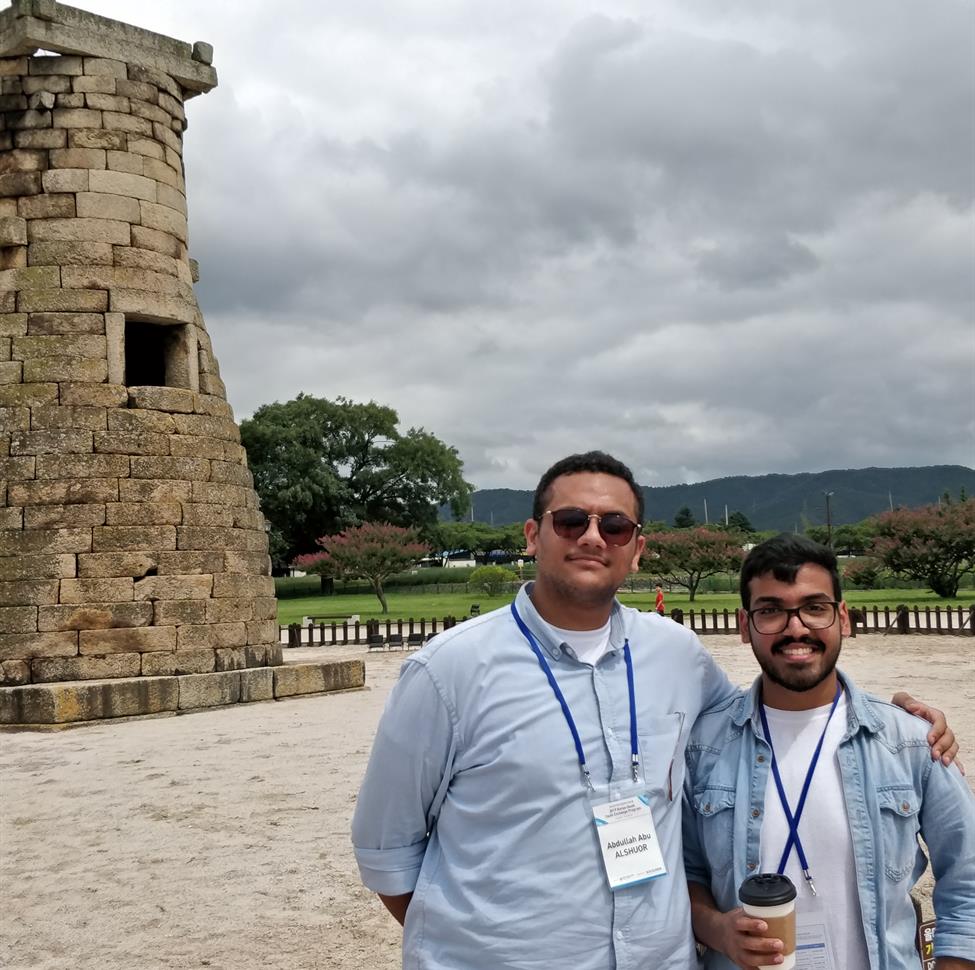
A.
x: 597, y: 462
x: 783, y: 556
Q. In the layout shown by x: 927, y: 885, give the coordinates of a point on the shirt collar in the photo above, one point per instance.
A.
x: 543, y: 633
x: 858, y: 711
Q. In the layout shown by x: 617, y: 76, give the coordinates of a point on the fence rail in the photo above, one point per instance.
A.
x: 944, y: 620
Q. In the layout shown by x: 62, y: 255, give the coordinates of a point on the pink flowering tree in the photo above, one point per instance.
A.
x: 684, y: 557
x: 372, y: 551
x: 934, y: 545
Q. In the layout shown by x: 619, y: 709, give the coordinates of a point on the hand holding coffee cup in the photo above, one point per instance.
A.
x: 771, y: 897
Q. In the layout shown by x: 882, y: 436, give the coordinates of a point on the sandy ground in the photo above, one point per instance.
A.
x: 220, y: 839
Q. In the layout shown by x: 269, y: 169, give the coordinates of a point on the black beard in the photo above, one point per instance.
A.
x: 797, y: 681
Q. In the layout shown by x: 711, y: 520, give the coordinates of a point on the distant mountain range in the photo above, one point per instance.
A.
x: 785, y: 502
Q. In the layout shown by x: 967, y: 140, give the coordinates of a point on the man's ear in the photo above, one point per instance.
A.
x: 531, y: 537
x: 744, y: 626
x: 641, y: 542
x: 845, y: 627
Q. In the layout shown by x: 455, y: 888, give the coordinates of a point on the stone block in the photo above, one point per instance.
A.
x: 100, y: 205
x: 18, y: 619
x: 163, y: 174
x: 131, y: 443
x: 152, y: 466
x: 105, y: 67
x: 106, y: 102
x: 202, y: 424
x: 125, y: 538
x: 294, y: 679
x: 275, y: 655
x: 265, y: 608
x: 256, y: 684
x: 249, y: 519
x: 60, y: 300
x: 14, y: 542
x: 29, y: 183
x: 14, y: 419
x: 120, y: 161
x: 16, y: 469
x: 126, y: 256
x: 143, y: 639
x: 213, y: 635
x: 44, y: 99
x: 23, y: 160
x: 78, y: 230
x: 61, y: 442
x: 124, y: 184
x: 66, y: 703
x: 168, y: 137
x: 151, y: 112
x: 262, y: 631
x: 115, y: 590
x: 195, y: 513
x: 158, y: 664
x: 24, y: 646
x: 119, y: 121
x: 65, y: 180
x: 137, y: 89
x: 12, y: 324
x: 61, y: 345
x: 13, y: 231
x: 47, y: 670
x: 163, y: 218
x: 214, y: 406
x: 114, y: 277
x: 29, y: 119
x: 54, y: 64
x: 209, y: 690
x: 78, y: 158
x: 94, y: 616
x: 230, y: 473
x: 194, y: 446
x: 41, y: 138
x: 11, y: 372
x: 156, y: 241
x: 236, y: 586
x: 97, y: 138
x: 87, y: 369
x: 76, y: 118
x: 164, y: 307
x: 144, y: 513
x: 14, y: 672
x: 11, y: 518
x: 95, y: 395
x: 190, y: 563
x: 202, y: 537
x: 71, y: 254
x: 178, y: 612
x: 194, y: 661
x: 63, y: 516
x: 48, y: 417
x: 173, y: 587
x: 34, y: 593
x: 94, y: 85
x: 122, y: 564
x: 229, y: 610
x: 82, y: 466
x: 34, y: 567
x: 230, y: 658
x: 153, y: 490
x: 64, y: 492
x: 173, y: 399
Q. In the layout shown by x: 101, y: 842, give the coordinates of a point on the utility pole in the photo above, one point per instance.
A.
x: 706, y: 522
x: 829, y: 520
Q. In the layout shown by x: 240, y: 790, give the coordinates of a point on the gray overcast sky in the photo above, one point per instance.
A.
x: 714, y: 237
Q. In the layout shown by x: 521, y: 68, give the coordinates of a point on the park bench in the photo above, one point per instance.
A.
x: 414, y: 641
x: 395, y: 641
x: 375, y: 641
x: 475, y: 609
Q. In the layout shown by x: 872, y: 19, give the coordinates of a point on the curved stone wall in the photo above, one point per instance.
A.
x: 131, y: 542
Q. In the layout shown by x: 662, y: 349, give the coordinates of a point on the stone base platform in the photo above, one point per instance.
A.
x: 69, y: 703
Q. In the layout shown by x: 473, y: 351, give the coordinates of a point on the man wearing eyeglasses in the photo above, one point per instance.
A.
x: 521, y: 808
x: 807, y: 775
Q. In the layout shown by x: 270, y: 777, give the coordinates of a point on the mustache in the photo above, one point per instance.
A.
x: 780, y: 645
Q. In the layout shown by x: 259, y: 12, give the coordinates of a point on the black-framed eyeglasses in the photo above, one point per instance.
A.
x: 615, y: 528
x: 817, y: 615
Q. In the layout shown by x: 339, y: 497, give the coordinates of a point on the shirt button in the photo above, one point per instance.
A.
x: 751, y: 866
x: 619, y: 934
x: 707, y: 808
x: 905, y: 807
x: 761, y: 759
x: 755, y: 813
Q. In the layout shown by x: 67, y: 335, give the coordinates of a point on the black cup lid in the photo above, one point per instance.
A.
x: 767, y: 889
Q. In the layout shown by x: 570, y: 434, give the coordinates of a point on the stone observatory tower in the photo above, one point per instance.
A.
x: 134, y: 575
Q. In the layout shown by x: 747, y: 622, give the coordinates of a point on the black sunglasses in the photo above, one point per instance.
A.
x: 615, y: 528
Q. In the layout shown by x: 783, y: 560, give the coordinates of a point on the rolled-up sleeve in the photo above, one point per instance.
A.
x: 406, y: 779
x: 948, y: 829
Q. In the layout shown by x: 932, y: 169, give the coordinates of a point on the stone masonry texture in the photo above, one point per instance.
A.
x: 131, y: 540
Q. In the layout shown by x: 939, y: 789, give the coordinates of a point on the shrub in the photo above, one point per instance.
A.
x: 491, y: 579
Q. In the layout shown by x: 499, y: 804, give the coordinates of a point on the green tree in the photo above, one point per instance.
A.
x: 477, y: 538
x: 684, y: 519
x: 684, y: 557
x: 934, y: 544
x: 371, y: 551
x: 739, y: 522
x: 491, y: 579
x: 320, y: 466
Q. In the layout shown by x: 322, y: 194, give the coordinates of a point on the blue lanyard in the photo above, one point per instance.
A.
x: 553, y: 683
x: 793, y: 820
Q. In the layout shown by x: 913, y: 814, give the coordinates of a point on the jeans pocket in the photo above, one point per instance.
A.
x: 714, y: 809
x: 899, y: 825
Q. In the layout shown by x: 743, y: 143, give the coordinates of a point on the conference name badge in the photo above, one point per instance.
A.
x: 628, y: 840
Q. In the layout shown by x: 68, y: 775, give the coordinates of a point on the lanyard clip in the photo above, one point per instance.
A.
x: 809, y: 879
x: 588, y: 779
x: 635, y: 764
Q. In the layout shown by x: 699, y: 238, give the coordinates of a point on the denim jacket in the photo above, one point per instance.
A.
x: 894, y: 793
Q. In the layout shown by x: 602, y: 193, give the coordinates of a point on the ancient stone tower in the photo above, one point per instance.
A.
x: 132, y: 549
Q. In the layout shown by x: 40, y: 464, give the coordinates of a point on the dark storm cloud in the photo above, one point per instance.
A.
x: 714, y: 237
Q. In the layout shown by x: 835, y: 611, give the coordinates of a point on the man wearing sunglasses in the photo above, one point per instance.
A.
x: 807, y: 775
x: 521, y: 808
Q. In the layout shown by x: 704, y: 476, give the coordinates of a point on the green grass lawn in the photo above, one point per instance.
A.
x: 430, y: 605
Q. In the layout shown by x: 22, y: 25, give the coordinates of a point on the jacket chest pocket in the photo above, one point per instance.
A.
x: 714, y: 814
x: 899, y: 828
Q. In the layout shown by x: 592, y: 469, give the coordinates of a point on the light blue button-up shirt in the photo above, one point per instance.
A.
x: 474, y: 802
x: 893, y: 791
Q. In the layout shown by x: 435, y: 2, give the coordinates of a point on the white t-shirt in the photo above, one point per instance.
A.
x: 587, y: 645
x: 824, y: 827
